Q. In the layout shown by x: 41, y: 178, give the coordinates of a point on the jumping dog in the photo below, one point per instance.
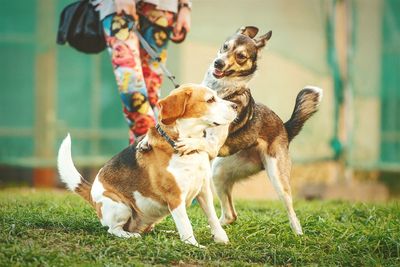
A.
x: 257, y: 139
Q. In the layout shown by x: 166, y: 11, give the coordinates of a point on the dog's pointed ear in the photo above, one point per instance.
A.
x: 261, y: 41
x: 250, y: 31
x: 173, y: 106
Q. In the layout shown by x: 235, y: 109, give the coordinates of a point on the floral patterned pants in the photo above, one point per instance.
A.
x: 138, y: 76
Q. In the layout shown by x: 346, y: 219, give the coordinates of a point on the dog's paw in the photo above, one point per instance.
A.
x: 185, y: 146
x: 196, y: 245
x: 221, y: 237
x: 192, y: 241
x: 295, y: 225
x: 135, y: 235
x: 297, y: 228
x: 124, y: 234
x: 200, y: 246
x: 167, y: 231
x: 225, y: 221
x: 143, y: 146
x: 299, y: 232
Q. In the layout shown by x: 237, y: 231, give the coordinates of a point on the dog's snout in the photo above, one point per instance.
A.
x: 219, y: 64
x: 234, y: 106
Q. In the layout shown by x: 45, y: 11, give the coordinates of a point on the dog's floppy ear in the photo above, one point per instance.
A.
x: 250, y: 31
x: 173, y: 106
x: 262, y: 40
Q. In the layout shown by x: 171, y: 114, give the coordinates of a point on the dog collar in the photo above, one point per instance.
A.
x: 165, y: 136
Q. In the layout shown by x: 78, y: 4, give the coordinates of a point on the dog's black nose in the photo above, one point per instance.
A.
x: 234, y: 106
x: 219, y: 64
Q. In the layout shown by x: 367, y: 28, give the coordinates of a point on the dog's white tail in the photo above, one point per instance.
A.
x: 69, y: 174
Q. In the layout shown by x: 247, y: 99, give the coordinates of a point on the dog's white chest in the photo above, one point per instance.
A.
x: 190, y: 172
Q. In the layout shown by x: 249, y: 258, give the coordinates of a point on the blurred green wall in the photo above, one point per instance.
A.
x: 49, y: 90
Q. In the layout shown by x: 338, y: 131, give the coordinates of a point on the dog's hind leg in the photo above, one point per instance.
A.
x: 112, y: 211
x: 116, y: 215
x: 223, y: 188
x: 226, y: 172
x: 278, y: 169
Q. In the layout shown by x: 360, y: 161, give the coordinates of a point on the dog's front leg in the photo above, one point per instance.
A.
x: 183, y: 225
x: 205, y: 199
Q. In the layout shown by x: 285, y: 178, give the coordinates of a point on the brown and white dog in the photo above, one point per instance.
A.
x: 257, y: 139
x: 134, y: 191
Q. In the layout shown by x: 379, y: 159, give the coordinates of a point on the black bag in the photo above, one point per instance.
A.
x: 81, y: 28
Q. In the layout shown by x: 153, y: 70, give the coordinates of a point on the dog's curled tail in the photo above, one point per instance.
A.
x: 69, y: 174
x: 307, y: 102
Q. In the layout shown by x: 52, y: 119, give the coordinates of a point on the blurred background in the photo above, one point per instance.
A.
x: 351, y: 48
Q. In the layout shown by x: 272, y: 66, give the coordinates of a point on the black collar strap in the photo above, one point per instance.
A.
x: 165, y: 135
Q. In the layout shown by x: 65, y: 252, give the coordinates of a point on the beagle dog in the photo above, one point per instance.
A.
x: 134, y: 190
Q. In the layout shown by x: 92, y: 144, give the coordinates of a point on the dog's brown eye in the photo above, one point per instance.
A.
x: 241, y: 56
x: 225, y: 47
x: 211, y: 100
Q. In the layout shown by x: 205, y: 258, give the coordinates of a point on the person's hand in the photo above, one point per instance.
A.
x: 126, y: 6
x: 182, y: 22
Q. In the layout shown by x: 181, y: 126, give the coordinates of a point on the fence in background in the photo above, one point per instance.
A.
x: 350, y: 48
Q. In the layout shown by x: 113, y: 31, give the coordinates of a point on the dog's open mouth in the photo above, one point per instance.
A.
x: 220, y: 74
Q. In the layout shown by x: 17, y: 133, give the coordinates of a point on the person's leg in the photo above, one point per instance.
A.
x: 123, y: 46
x: 156, y: 33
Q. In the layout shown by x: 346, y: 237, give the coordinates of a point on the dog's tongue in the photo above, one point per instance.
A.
x: 218, y: 72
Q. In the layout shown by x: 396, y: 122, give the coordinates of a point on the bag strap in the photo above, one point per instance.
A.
x: 155, y: 56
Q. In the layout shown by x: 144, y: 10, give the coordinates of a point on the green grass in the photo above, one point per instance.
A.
x: 60, y: 229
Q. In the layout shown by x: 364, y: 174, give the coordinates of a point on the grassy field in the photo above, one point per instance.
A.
x: 57, y: 228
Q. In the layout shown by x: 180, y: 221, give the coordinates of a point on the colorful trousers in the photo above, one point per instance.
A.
x: 138, y: 76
